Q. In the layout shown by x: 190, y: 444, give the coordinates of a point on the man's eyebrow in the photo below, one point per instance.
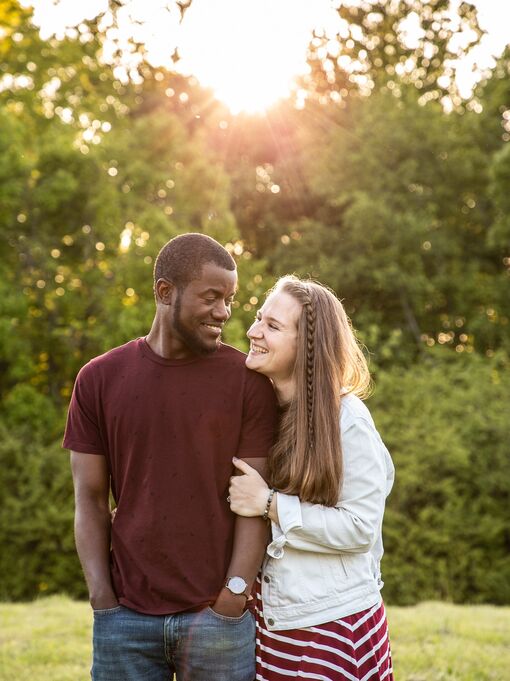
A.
x: 217, y: 292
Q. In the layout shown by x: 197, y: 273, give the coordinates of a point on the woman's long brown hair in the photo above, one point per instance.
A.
x: 307, y: 457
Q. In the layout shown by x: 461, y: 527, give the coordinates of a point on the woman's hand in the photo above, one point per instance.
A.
x: 248, y: 493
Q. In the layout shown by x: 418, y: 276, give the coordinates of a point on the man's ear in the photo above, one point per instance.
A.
x: 164, y: 291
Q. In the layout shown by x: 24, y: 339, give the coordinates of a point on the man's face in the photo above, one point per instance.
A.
x: 201, y: 309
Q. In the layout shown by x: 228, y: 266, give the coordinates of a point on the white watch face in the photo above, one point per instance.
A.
x: 237, y: 585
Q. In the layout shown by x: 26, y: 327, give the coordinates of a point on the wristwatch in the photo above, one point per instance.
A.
x: 237, y: 586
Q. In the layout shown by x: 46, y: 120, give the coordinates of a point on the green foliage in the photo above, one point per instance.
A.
x: 388, y: 43
x: 446, y: 525
x: 82, y: 231
x: 401, y: 226
x: 36, y: 518
x: 500, y: 181
x: 397, y: 205
x: 446, y: 425
x: 26, y: 410
x: 493, y: 97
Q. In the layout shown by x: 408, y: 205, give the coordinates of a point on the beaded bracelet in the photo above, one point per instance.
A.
x: 268, y: 505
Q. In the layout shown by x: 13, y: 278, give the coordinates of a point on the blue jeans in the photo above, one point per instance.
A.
x: 196, y: 646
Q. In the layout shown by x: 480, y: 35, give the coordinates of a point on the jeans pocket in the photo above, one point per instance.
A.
x: 226, y: 618
x: 106, y: 611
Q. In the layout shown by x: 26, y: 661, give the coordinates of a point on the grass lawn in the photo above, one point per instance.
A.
x: 49, y: 640
x: 444, y: 642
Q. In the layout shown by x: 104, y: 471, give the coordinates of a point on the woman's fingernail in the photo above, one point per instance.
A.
x: 234, y: 458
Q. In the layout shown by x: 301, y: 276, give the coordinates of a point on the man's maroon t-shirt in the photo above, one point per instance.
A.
x: 169, y: 430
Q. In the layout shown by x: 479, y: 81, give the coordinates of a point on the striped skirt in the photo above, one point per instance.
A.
x: 353, y: 648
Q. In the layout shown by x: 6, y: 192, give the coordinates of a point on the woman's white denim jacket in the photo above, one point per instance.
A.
x: 323, y: 562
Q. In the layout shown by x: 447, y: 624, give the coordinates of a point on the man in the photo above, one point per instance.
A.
x: 157, y: 422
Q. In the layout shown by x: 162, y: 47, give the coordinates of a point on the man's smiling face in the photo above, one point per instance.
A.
x: 201, y: 309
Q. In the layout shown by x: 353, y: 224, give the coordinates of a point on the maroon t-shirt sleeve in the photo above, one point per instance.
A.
x: 82, y: 432
x: 259, y: 417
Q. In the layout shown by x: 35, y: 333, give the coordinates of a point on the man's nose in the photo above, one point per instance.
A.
x: 221, y: 311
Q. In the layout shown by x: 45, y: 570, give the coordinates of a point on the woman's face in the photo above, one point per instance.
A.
x: 273, y: 337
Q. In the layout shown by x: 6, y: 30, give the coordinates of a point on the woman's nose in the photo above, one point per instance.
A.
x: 254, y: 330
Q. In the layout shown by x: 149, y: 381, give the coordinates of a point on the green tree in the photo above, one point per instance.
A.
x: 385, y: 44
x: 446, y: 524
x: 403, y: 229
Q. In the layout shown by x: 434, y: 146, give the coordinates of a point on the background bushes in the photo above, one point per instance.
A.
x: 382, y: 182
x: 446, y: 530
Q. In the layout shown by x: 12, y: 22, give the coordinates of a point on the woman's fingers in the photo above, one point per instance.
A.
x: 243, y: 466
x: 248, y: 493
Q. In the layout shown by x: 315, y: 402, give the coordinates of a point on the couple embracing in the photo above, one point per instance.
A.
x: 249, y: 490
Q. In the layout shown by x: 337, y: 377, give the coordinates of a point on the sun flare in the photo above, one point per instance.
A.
x: 247, y: 52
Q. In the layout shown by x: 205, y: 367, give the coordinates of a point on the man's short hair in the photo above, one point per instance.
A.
x: 182, y: 258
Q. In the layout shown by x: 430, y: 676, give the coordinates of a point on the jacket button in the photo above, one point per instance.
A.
x: 266, y: 579
x: 278, y: 553
x: 270, y: 621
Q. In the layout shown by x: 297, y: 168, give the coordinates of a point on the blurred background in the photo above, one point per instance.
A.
x: 364, y: 144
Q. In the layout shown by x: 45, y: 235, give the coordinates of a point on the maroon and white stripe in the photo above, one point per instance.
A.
x: 353, y: 648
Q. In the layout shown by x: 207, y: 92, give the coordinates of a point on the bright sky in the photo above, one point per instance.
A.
x: 248, y: 51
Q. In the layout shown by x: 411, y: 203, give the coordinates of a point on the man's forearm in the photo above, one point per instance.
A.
x: 92, y: 535
x: 251, y: 536
x: 250, y: 541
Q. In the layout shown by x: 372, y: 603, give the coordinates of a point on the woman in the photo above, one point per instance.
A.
x: 319, y: 610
